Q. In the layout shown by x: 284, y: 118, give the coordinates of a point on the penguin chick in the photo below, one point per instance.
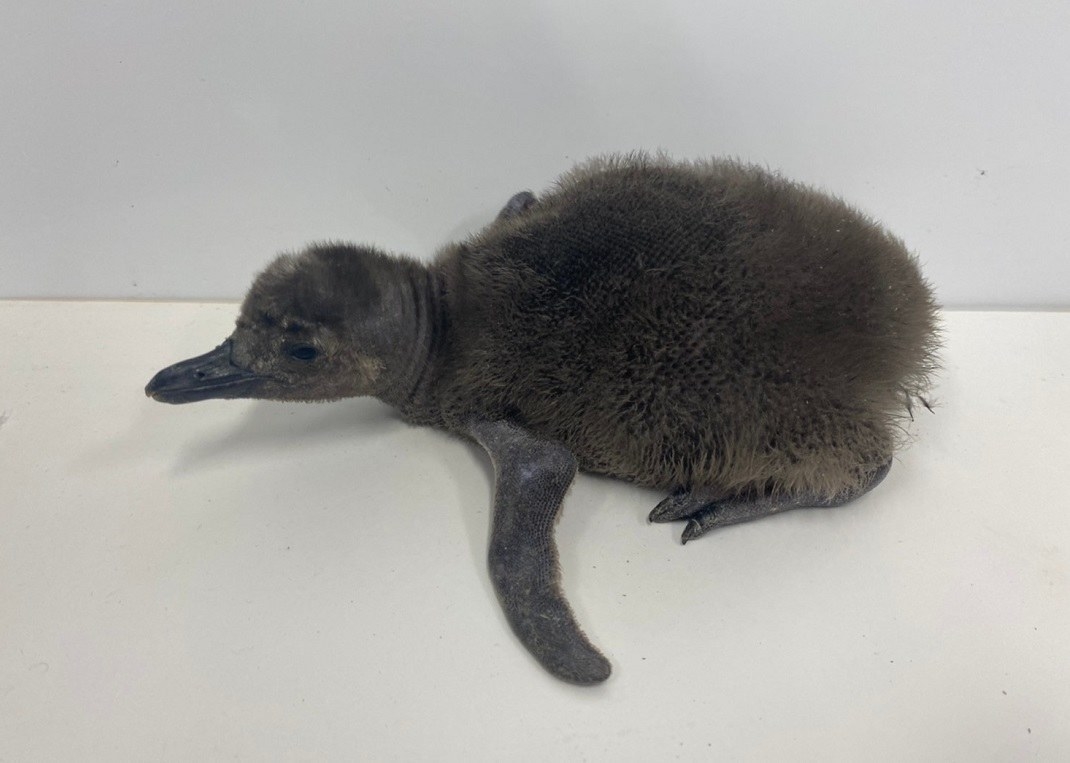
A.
x: 711, y: 329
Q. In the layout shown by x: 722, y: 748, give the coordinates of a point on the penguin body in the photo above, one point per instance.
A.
x: 708, y: 328
x: 680, y: 325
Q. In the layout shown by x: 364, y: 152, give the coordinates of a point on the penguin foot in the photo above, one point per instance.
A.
x: 683, y: 504
x: 731, y: 511
x: 715, y: 515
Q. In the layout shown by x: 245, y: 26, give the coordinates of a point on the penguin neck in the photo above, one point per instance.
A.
x: 415, y: 360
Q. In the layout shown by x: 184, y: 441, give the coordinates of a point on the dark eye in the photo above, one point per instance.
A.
x: 305, y: 352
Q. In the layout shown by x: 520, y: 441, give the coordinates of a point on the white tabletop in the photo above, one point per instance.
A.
x: 259, y: 581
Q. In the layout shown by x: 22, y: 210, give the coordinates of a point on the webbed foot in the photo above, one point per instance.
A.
x: 704, y: 509
x: 730, y: 513
x: 683, y: 504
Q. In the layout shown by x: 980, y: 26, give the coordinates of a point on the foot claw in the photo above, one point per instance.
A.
x: 663, y: 512
x: 675, y: 507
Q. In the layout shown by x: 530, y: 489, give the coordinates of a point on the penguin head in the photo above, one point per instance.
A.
x: 319, y: 325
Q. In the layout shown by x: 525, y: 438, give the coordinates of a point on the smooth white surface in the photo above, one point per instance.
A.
x: 169, y: 149
x: 257, y: 581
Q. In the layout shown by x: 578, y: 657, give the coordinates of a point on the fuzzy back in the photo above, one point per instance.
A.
x: 684, y: 324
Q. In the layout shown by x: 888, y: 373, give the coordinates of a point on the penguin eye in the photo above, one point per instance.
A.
x: 304, y: 352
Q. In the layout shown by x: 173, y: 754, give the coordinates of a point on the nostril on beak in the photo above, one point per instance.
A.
x: 199, y: 374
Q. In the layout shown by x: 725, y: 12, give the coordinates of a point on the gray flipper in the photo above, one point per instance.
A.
x: 705, y: 510
x: 531, y: 478
x: 518, y: 204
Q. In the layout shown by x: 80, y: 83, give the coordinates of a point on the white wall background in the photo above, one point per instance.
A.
x: 153, y: 149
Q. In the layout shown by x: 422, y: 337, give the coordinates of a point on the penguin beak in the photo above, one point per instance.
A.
x: 212, y: 375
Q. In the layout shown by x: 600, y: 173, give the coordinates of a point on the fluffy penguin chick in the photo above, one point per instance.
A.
x: 708, y: 328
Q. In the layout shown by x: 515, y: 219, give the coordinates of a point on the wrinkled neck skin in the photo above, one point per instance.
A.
x: 417, y: 308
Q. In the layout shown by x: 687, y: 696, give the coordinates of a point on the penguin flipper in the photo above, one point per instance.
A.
x: 518, y: 204
x: 531, y: 478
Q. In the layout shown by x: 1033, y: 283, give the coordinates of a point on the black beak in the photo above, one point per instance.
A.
x: 212, y: 375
